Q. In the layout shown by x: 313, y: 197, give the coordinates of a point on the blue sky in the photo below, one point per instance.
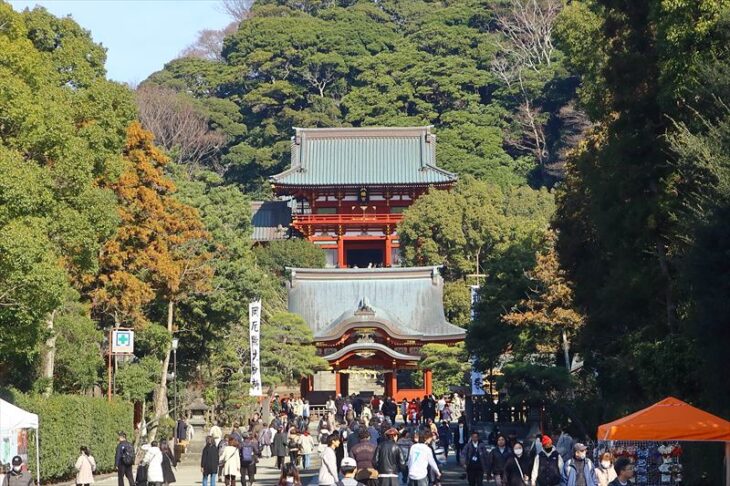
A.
x: 140, y: 35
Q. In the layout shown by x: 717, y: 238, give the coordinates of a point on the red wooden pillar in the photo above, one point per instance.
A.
x: 393, y: 384
x: 338, y: 385
x: 387, y: 261
x: 341, y: 253
x: 428, y: 382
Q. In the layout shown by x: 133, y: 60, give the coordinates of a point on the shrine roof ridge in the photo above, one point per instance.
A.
x: 363, y: 156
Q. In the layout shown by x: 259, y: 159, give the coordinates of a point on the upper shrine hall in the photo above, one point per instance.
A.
x: 346, y: 191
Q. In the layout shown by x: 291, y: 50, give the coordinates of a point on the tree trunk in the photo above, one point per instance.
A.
x: 48, y: 355
x: 160, y: 395
x: 566, y: 349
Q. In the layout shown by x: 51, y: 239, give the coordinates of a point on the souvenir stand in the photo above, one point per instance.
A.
x: 13, y: 421
x: 653, y: 438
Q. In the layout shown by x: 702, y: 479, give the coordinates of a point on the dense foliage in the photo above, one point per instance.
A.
x: 311, y: 64
x: 70, y: 421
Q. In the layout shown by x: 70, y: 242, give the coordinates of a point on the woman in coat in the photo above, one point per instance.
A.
x: 518, y: 467
x: 231, y: 460
x: 209, y: 462
x: 85, y: 467
x: 280, y: 447
x: 153, y: 460
x: 168, y: 462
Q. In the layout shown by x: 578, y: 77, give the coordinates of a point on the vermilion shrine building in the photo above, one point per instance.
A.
x: 346, y: 192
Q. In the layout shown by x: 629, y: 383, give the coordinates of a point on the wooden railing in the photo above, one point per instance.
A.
x: 345, y: 219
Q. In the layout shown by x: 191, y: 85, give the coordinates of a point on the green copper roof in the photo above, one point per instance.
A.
x: 363, y: 156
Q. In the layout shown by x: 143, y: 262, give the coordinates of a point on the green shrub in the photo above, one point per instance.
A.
x: 70, y: 421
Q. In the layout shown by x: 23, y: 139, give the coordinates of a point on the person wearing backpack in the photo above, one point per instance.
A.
x: 547, y: 466
x: 249, y: 457
x: 579, y: 470
x: 124, y: 460
x: 85, y: 467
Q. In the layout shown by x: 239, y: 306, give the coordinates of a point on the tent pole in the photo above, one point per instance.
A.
x: 727, y: 463
x: 37, y: 458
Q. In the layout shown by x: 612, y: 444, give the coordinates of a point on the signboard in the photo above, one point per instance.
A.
x: 122, y: 341
x: 477, y: 383
x: 254, y: 335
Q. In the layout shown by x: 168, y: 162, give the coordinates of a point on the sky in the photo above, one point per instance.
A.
x: 140, y: 35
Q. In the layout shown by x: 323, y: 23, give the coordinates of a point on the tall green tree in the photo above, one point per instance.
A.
x: 621, y: 238
x: 61, y: 133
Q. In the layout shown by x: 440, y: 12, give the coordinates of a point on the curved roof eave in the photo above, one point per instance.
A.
x: 371, y: 347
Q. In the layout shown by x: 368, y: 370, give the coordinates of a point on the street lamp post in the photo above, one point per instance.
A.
x: 175, y: 342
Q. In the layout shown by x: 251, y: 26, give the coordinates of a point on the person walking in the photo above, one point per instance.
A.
x: 565, y: 445
x: 461, y: 437
x: 328, y: 470
x: 216, y: 432
x: 518, y: 467
x: 547, y: 466
x: 306, y: 447
x: 209, y: 461
x: 85, y: 467
x: 124, y: 460
x: 265, y: 437
x: 231, y: 460
x: 579, y: 470
x: 605, y: 473
x: 421, y: 462
x: 363, y: 452
x: 444, y: 441
x: 289, y: 476
x: 348, y: 467
x: 624, y: 472
x: 388, y: 459
x: 152, y: 460
x: 16, y: 476
x: 280, y: 447
x: 475, y: 459
x: 497, y: 459
x: 169, y: 461
x: 250, y: 453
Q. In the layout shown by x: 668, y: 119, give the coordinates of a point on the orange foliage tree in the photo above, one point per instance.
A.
x: 159, y: 252
x: 548, y: 314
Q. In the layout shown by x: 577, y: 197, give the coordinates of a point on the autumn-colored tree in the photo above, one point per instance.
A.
x: 548, y: 314
x: 158, y: 253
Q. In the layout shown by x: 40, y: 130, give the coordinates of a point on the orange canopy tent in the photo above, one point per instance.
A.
x: 671, y: 420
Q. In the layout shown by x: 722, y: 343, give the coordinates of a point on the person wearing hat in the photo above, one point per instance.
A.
x: 16, y: 476
x: 388, y: 459
x: 348, y: 467
x: 579, y: 470
x: 547, y: 466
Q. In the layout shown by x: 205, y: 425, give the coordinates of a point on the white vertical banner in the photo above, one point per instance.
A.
x: 254, y: 333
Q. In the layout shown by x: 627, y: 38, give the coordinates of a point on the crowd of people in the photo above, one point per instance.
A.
x: 360, y: 442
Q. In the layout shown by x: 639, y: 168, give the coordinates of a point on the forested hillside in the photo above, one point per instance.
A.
x: 485, y: 73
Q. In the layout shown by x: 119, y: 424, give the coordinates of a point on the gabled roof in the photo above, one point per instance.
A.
x: 270, y: 220
x: 330, y: 300
x: 363, y: 156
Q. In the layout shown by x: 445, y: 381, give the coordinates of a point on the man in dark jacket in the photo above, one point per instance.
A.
x: 461, y: 437
x: 209, y: 462
x: 390, y: 409
x: 428, y: 409
x: 280, y: 447
x: 474, y: 458
x: 363, y: 452
x: 389, y: 459
x: 498, y: 458
x: 119, y: 460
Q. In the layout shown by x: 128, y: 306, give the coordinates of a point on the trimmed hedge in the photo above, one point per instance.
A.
x: 70, y: 421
